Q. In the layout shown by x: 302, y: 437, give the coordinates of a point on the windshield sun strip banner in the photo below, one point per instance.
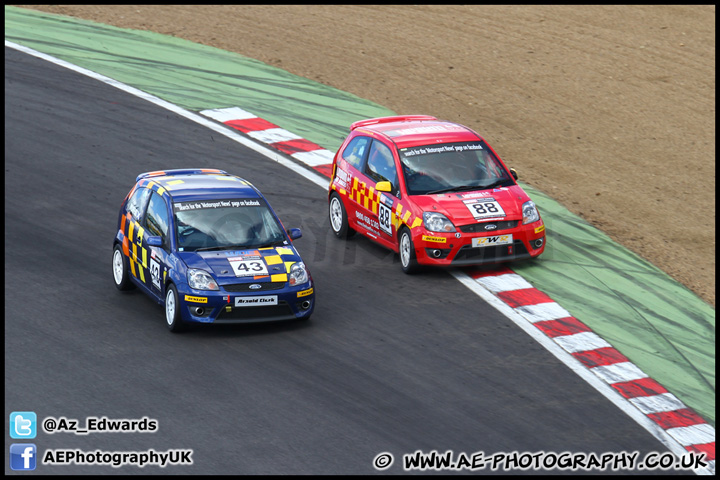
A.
x: 213, y: 204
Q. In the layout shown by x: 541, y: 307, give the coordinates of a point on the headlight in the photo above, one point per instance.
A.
x: 298, y: 274
x: 201, y: 280
x: 530, y: 213
x: 437, y: 222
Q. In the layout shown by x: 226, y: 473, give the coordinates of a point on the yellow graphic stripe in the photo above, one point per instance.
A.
x: 368, y: 198
x: 279, y: 277
x: 273, y: 259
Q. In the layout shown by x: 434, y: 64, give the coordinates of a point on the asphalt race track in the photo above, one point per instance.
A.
x: 388, y: 363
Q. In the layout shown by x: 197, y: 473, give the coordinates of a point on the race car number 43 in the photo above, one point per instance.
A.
x: 246, y: 268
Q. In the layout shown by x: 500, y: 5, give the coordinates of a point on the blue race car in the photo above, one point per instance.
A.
x: 208, y: 246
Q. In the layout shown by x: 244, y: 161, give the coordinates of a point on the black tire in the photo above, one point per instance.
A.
x: 338, y: 217
x: 406, y: 250
x: 121, y: 276
x: 172, y: 310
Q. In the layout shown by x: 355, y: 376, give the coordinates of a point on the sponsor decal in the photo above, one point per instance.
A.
x: 539, y: 229
x: 199, y: 205
x: 386, y: 200
x: 368, y: 223
x: 491, y: 241
x: 256, y: 301
x: 475, y: 195
x: 305, y: 293
x: 428, y: 238
x: 342, y: 177
x: 190, y: 298
x: 242, y: 253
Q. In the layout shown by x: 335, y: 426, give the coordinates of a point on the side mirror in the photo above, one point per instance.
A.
x: 155, y: 241
x: 383, y: 186
x: 294, y: 233
x: 514, y: 173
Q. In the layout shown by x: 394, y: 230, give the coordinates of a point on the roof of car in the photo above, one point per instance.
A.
x: 196, y: 184
x: 413, y: 130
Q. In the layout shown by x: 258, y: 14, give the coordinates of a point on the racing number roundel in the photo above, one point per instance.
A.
x: 384, y: 218
x: 243, y: 267
x: 484, y: 208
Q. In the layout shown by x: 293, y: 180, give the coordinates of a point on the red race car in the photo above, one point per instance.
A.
x: 433, y: 191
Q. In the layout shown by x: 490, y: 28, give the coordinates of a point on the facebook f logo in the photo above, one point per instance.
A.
x: 22, y: 456
x: 23, y: 425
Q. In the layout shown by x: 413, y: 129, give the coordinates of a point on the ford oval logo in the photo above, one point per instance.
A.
x: 255, y: 286
x: 490, y: 226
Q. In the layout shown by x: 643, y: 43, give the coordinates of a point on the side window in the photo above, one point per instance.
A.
x: 381, y: 165
x: 136, y: 204
x: 355, y: 151
x: 157, y: 219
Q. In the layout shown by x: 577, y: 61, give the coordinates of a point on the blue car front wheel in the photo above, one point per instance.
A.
x: 172, y: 310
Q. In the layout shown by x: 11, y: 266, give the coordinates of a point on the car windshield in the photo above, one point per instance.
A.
x: 226, y: 224
x: 448, y: 167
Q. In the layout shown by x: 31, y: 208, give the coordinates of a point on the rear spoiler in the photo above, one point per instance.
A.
x: 180, y: 171
x: 397, y: 118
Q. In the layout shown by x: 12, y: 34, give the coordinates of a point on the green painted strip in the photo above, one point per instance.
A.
x: 658, y: 324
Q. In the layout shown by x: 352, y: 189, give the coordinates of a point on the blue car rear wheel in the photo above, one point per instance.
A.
x: 120, y: 270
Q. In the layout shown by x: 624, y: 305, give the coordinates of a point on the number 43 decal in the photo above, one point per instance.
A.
x: 246, y: 268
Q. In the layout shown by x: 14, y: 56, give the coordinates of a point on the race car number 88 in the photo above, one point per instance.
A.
x: 482, y: 208
x: 485, y: 208
x: 384, y: 218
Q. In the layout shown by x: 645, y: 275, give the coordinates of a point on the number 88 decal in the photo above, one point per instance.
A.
x: 484, y: 208
x: 384, y: 215
x: 489, y: 207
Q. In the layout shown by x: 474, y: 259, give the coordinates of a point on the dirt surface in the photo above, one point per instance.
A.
x: 608, y: 109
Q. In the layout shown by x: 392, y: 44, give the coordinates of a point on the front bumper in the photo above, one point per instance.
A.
x: 479, y: 248
x: 233, y: 307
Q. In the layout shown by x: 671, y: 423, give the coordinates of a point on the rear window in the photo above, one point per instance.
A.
x: 355, y: 151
